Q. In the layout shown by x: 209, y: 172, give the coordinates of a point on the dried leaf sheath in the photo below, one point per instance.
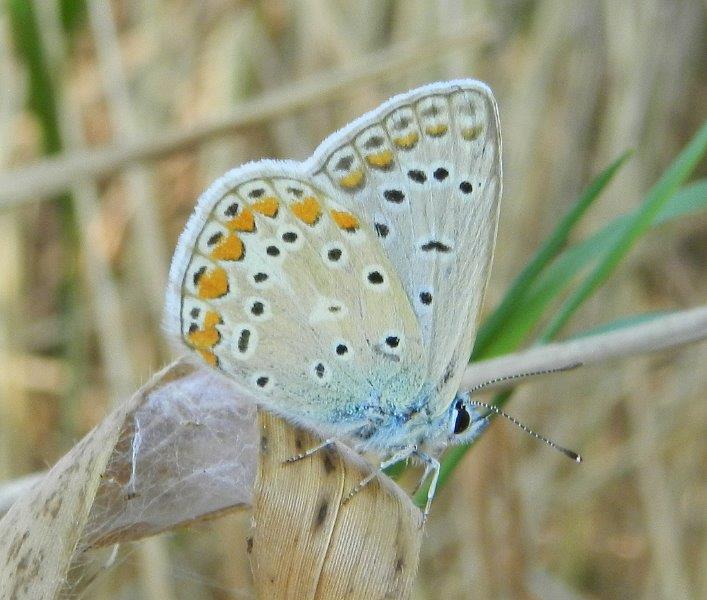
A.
x: 117, y: 486
x: 306, y: 544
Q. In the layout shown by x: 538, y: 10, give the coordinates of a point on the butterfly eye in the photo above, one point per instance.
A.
x: 462, y: 421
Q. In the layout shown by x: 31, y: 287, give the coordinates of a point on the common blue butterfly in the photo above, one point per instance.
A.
x: 343, y: 292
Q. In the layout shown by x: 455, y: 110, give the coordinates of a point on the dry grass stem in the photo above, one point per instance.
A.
x: 149, y: 235
x: 670, y: 331
x: 56, y: 175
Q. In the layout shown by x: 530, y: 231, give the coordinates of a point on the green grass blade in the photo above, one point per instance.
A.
x: 552, y: 246
x: 657, y: 197
x: 41, y: 97
x: 689, y: 200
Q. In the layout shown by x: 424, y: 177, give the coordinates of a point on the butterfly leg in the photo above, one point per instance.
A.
x: 396, y: 458
x: 325, y: 444
x: 422, y: 479
x: 431, y: 465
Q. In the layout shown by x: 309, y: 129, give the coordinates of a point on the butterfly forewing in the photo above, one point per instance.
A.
x: 425, y: 171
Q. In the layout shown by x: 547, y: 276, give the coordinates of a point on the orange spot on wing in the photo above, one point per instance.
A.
x: 213, y: 284
x: 308, y: 210
x: 231, y: 248
x: 244, y: 221
x: 380, y: 160
x: 436, y: 130
x: 353, y: 180
x: 406, y: 141
x: 209, y: 357
x: 211, y: 319
x: 471, y: 133
x: 205, y: 339
x: 345, y: 220
x: 267, y: 206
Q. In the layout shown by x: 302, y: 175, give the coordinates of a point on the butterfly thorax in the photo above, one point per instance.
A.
x: 392, y: 422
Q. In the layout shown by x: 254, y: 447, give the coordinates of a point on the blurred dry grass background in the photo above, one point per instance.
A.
x: 195, y: 88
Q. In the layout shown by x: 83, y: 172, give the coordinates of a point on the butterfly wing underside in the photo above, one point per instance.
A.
x: 288, y: 293
x: 316, y: 285
x: 425, y: 170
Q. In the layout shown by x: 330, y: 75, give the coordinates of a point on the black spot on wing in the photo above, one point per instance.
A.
x: 344, y: 163
x: 440, y: 174
x: 214, y: 239
x: 198, y: 274
x: 243, y: 340
x: 392, y: 341
x: 382, y: 229
x: 375, y: 277
x: 375, y: 141
x: 417, y: 176
x: 401, y: 123
x: 435, y: 245
x: 466, y: 187
x: 394, y: 196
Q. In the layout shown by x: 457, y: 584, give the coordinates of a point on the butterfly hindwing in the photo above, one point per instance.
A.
x: 289, y: 293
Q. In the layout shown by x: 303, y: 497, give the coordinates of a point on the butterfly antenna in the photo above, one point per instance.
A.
x: 494, y: 409
x: 486, y: 384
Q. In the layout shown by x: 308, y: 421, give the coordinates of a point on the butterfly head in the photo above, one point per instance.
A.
x: 460, y: 423
x: 464, y: 422
x: 390, y: 428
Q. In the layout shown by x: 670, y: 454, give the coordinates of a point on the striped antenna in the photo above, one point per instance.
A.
x: 494, y: 409
x: 486, y: 384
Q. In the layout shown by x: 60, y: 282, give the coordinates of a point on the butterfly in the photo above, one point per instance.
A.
x: 343, y: 292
